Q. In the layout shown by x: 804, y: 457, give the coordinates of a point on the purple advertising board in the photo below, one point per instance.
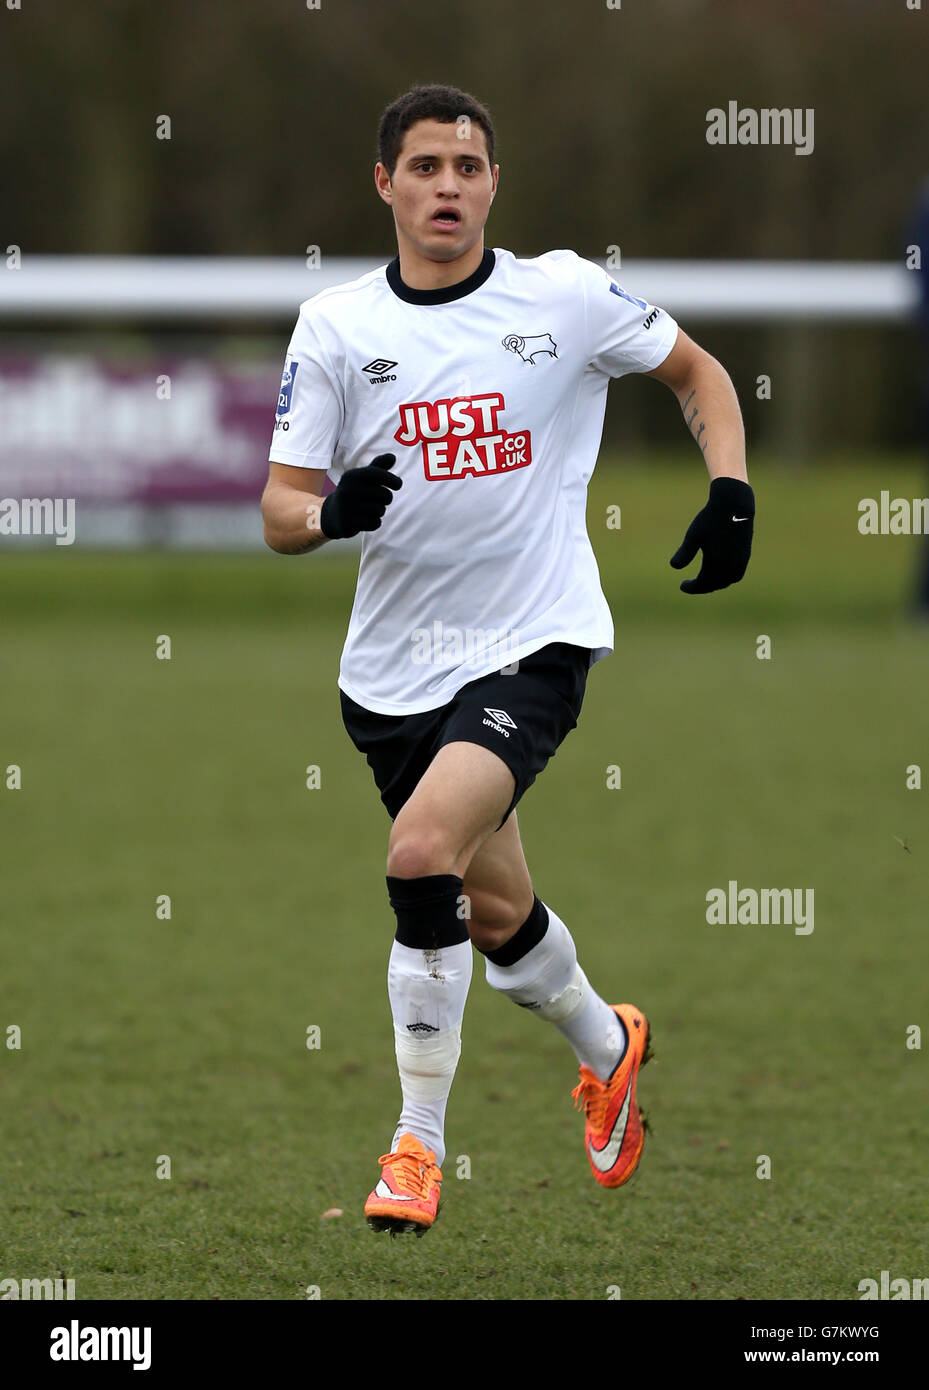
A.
x: 154, y: 430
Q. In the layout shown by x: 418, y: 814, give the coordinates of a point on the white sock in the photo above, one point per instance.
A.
x: 428, y: 991
x: 549, y: 981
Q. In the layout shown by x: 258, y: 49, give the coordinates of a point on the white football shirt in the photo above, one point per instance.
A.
x: 491, y: 394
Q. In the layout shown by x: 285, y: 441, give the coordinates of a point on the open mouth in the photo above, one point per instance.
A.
x: 447, y: 217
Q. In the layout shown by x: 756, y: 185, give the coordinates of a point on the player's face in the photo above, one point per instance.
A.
x: 441, y: 189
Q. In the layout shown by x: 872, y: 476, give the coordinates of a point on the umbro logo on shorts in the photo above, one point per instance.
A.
x: 498, y: 717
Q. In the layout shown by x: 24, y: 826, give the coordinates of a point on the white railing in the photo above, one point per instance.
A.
x: 180, y: 287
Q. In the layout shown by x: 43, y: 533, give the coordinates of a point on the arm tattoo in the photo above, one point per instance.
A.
x: 690, y: 422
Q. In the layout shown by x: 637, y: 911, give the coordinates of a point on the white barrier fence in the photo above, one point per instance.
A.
x: 178, y: 287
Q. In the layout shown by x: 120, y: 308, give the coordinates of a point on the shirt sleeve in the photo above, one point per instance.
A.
x: 624, y: 333
x: 310, y: 406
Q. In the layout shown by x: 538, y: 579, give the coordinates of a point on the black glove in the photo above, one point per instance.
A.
x: 723, y: 531
x: 360, y: 500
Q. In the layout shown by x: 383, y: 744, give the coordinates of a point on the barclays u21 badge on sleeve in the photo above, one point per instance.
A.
x: 618, y: 289
x: 287, y: 388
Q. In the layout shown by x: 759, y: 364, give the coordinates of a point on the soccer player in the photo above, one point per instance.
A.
x: 456, y: 395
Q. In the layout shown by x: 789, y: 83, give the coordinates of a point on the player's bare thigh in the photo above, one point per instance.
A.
x: 457, y: 804
x: 449, y: 826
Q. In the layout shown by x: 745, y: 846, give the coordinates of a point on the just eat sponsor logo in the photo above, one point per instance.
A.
x: 462, y: 436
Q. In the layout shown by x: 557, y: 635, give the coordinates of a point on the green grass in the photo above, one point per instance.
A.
x: 185, y: 1038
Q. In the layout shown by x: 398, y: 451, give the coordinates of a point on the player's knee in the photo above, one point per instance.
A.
x: 415, y: 852
x: 493, y: 920
x: 489, y: 936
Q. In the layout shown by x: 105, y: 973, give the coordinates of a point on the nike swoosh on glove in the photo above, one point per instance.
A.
x: 723, y: 531
x: 360, y: 500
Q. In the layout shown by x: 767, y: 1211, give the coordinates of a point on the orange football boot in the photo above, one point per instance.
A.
x: 614, y: 1133
x: 406, y: 1197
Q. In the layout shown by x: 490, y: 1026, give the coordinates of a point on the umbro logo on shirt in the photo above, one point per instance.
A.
x: 380, y: 367
x: 498, y: 717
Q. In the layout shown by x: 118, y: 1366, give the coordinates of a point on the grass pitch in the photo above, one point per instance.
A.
x: 185, y: 1038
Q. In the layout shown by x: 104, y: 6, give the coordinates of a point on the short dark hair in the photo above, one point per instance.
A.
x: 431, y: 103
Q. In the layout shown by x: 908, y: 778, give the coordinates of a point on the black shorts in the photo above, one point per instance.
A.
x: 523, y: 717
